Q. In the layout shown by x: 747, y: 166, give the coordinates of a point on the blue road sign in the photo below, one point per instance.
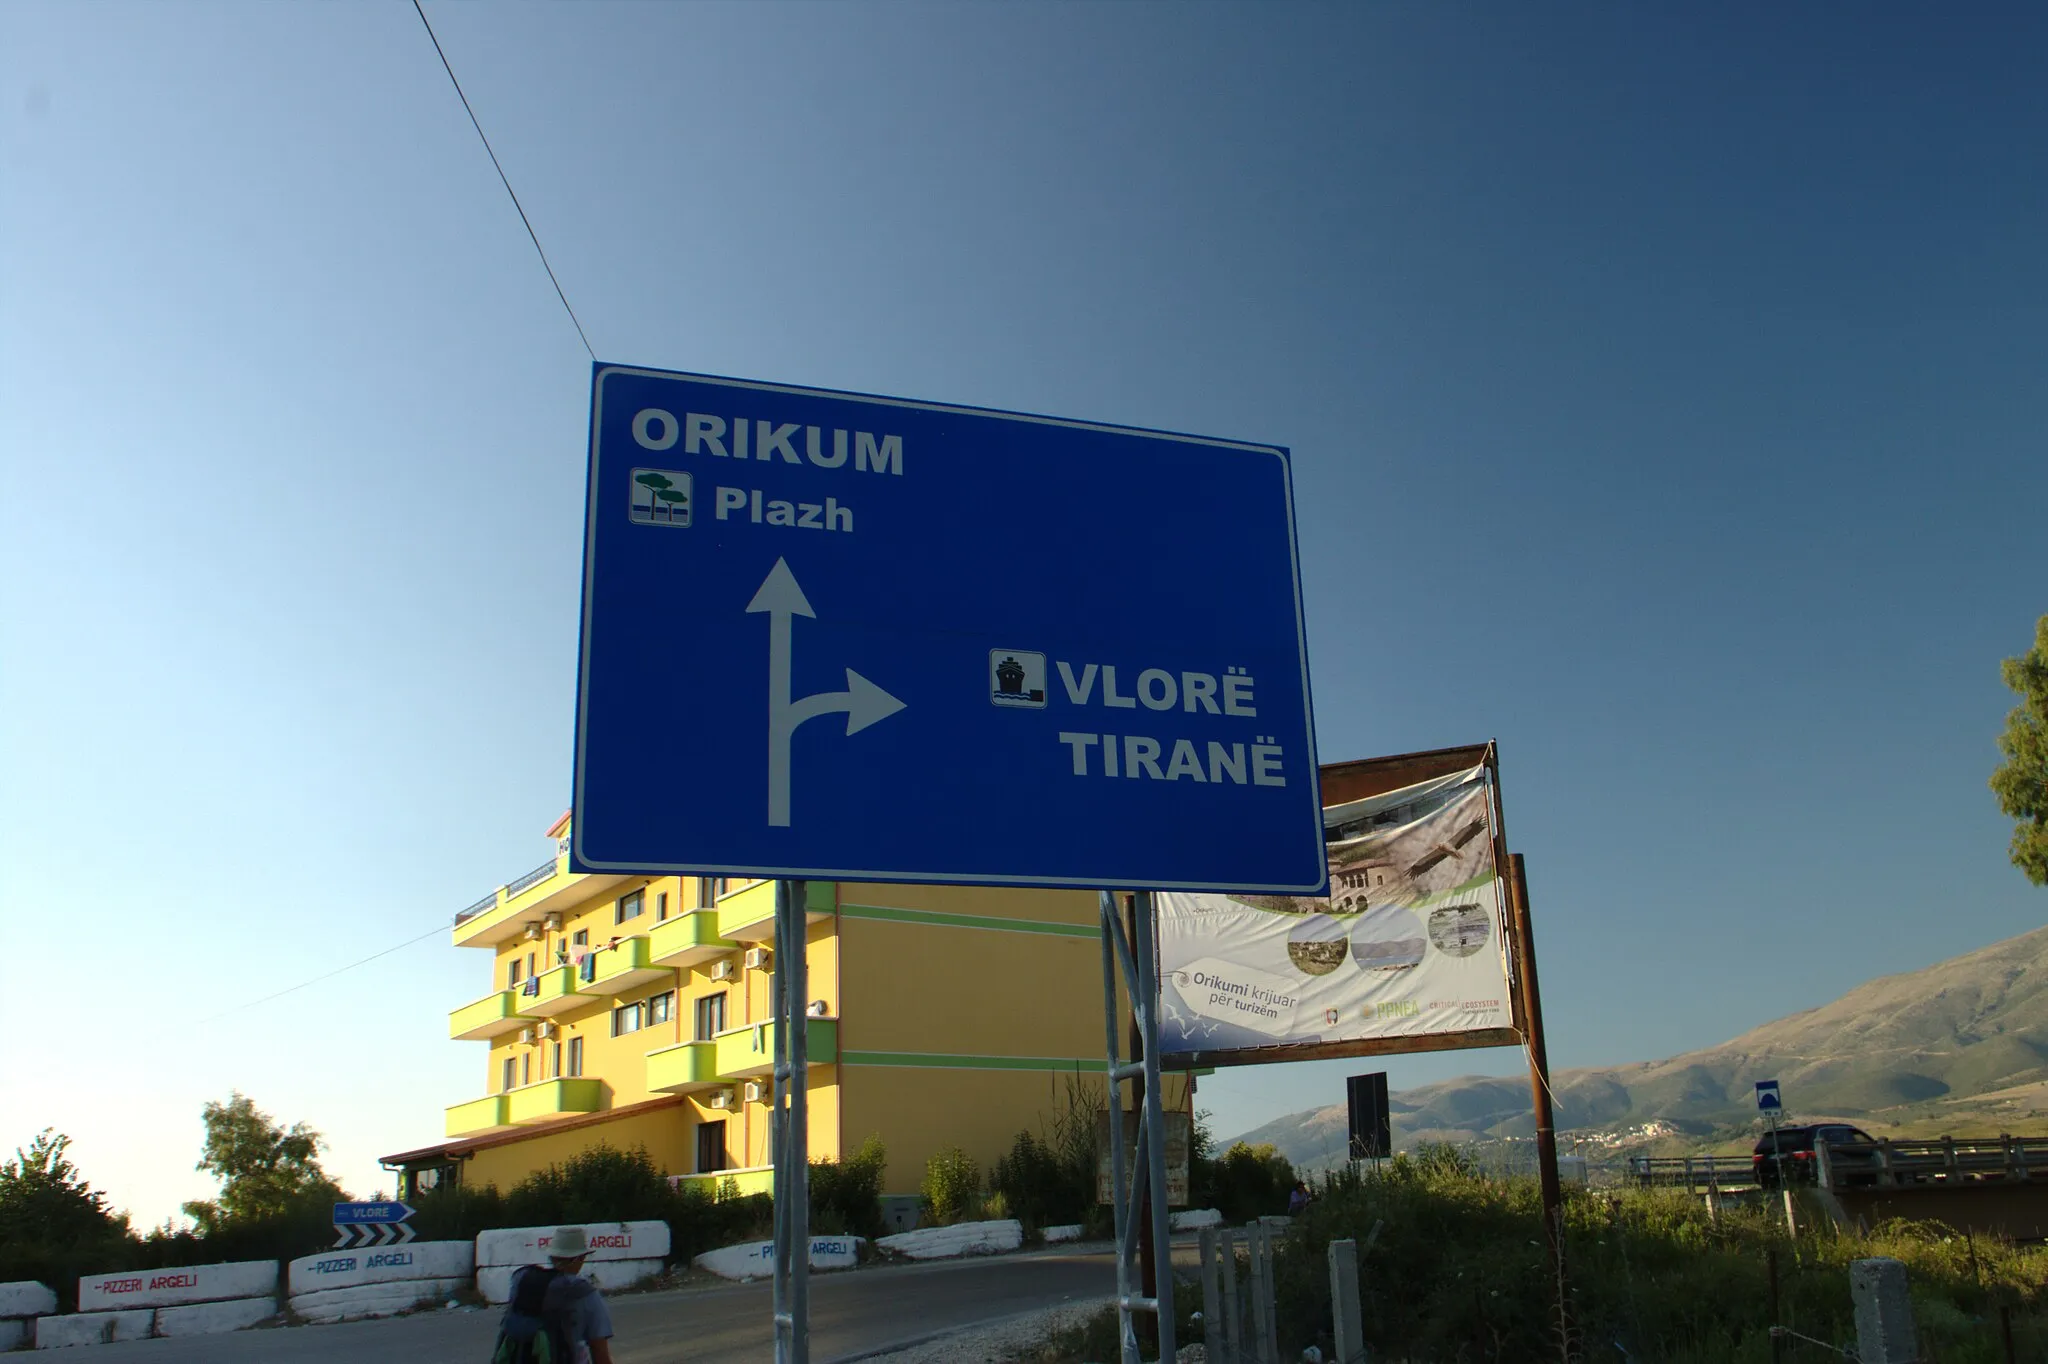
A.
x: 1767, y: 1100
x: 856, y: 638
x: 348, y: 1214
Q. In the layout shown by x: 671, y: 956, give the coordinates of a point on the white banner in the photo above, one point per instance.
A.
x: 1409, y: 942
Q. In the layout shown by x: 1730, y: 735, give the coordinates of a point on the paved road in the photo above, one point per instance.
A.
x: 852, y: 1314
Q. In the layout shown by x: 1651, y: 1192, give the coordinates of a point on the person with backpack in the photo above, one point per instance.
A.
x: 556, y: 1316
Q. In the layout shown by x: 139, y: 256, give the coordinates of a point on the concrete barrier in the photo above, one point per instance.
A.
x: 214, y: 1318
x: 14, y: 1333
x: 391, y: 1264
x: 756, y: 1259
x: 175, y: 1287
x: 966, y: 1238
x: 608, y: 1241
x: 27, y: 1298
x: 374, y: 1300
x: 1195, y: 1219
x: 94, y: 1328
x: 1070, y: 1232
x: 495, y: 1281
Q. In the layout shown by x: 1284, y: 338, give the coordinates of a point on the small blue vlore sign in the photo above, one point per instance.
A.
x: 1767, y: 1100
x: 357, y: 1214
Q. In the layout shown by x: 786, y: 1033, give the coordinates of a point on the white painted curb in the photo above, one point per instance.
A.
x: 374, y: 1300
x: 93, y: 1328
x: 756, y: 1259
x: 495, y: 1281
x: 1070, y: 1232
x: 213, y: 1318
x: 392, y: 1264
x: 27, y: 1298
x: 175, y: 1287
x: 967, y: 1238
x: 608, y: 1241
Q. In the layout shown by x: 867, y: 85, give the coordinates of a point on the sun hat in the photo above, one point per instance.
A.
x: 568, y: 1243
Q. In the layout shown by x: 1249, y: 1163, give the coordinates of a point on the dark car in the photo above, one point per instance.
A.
x: 1793, y: 1153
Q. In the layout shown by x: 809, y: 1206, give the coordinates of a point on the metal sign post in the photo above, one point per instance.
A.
x: 1770, y: 1102
x: 1139, y: 1196
x: 791, y: 1127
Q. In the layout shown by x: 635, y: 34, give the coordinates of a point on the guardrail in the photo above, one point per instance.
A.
x: 1943, y: 1161
x: 1692, y: 1172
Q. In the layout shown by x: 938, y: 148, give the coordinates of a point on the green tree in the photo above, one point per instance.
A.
x: 265, y: 1169
x: 45, y: 1202
x: 654, y: 483
x: 2021, y: 781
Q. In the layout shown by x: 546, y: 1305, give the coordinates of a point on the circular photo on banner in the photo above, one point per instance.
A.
x: 1460, y: 930
x: 1388, y: 939
x: 1316, y: 945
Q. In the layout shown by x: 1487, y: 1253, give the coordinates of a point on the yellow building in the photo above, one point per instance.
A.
x: 633, y: 1011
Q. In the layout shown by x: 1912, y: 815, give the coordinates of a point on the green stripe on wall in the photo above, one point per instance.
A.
x: 936, y: 919
x: 942, y: 1061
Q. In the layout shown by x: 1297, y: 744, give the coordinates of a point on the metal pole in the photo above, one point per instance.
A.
x: 1127, y: 1340
x: 778, y: 1134
x: 1145, y: 993
x: 1141, y: 1178
x: 796, y: 990
x: 1539, y: 1093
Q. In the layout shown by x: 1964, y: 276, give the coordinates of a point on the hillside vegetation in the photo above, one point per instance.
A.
x: 1958, y: 1046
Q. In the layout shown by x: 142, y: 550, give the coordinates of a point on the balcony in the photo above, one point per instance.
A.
x: 749, y: 1050
x: 554, y: 1099
x: 478, y: 1115
x: 688, y: 939
x: 755, y: 1179
x: 618, y: 969
x: 505, y: 912
x: 749, y: 915
x: 489, y: 1016
x: 681, y: 1068
x: 553, y: 992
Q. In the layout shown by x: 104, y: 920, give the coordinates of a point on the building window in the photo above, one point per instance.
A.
x: 529, y: 964
x: 575, y: 1056
x: 710, y: 1147
x: 630, y: 906
x: 555, y: 1063
x: 710, y: 1016
x: 526, y: 1069
x: 512, y: 974
x: 581, y: 938
x: 707, y: 892
x: 511, y: 1074
x: 660, y: 1008
x: 625, y: 1019
x: 661, y: 907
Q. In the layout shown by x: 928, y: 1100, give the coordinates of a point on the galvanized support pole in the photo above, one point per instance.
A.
x: 790, y: 1128
x: 1141, y: 1201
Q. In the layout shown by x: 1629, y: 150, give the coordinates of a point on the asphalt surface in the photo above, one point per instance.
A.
x: 853, y: 1314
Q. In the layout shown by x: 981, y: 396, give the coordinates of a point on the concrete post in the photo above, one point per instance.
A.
x: 1347, y: 1321
x: 1884, y: 1313
x: 1212, y: 1298
x: 1233, y: 1306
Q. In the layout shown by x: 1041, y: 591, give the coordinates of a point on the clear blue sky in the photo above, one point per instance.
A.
x: 1665, y: 392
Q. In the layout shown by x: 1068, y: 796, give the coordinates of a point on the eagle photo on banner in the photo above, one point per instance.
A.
x: 1408, y: 944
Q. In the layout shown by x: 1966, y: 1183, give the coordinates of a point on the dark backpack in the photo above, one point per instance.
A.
x: 530, y: 1334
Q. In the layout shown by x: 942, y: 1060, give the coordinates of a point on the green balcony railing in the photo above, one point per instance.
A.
x: 553, y: 1098
x: 749, y: 915
x: 688, y: 939
x: 624, y: 967
x: 487, y: 1017
x: 553, y: 991
x: 683, y: 1067
x: 478, y: 1115
x: 750, y: 1050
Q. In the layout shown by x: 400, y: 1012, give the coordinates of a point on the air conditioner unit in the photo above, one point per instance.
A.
x: 757, y: 958
x: 553, y: 920
x: 526, y: 1036
x: 548, y: 1028
x: 722, y: 969
x: 818, y: 1009
x: 757, y: 1091
x: 533, y: 932
x: 719, y: 1098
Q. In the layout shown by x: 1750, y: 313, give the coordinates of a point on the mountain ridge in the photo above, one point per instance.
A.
x: 1898, y: 1049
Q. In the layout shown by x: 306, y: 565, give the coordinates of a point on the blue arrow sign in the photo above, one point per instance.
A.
x: 349, y: 1214
x: 1767, y: 1100
x: 855, y: 638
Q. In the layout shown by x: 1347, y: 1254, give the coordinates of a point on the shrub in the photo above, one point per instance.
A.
x: 846, y: 1195
x: 1243, y: 1183
x: 952, y: 1185
x: 1040, y: 1188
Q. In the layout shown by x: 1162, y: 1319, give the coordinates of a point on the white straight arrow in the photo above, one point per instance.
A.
x: 863, y: 701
